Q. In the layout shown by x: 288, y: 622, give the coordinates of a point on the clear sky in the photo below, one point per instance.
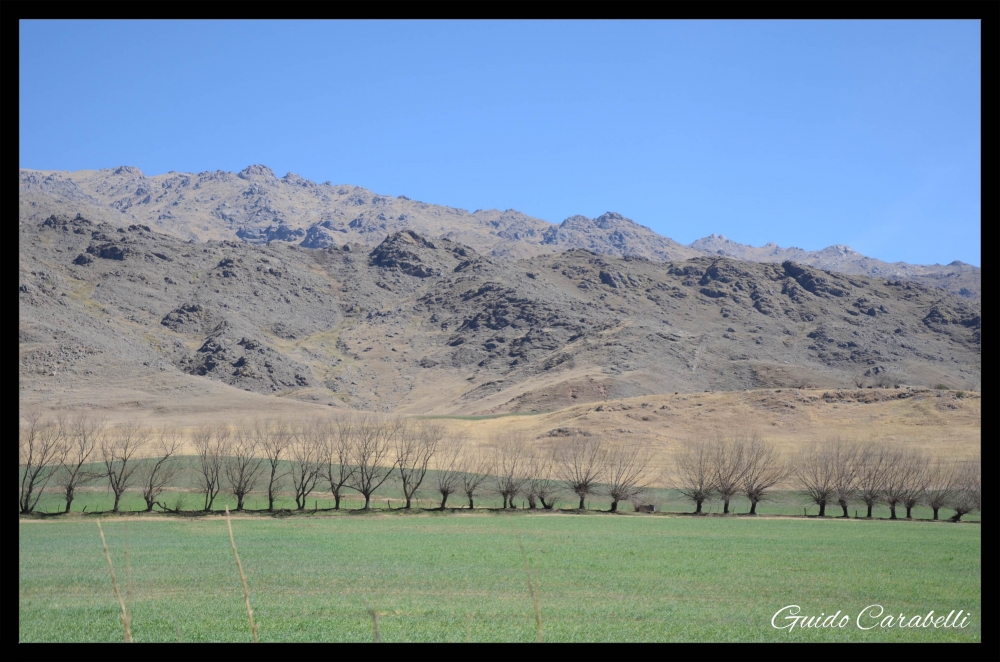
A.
x: 805, y: 133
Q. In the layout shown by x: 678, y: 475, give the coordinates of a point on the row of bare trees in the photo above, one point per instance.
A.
x: 358, y: 453
x: 835, y: 473
x: 841, y: 472
x: 361, y: 453
x: 739, y: 464
x: 583, y: 466
x: 73, y: 452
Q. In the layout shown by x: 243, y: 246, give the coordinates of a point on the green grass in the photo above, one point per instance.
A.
x: 453, y: 577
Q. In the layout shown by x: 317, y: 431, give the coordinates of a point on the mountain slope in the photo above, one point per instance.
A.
x: 422, y: 324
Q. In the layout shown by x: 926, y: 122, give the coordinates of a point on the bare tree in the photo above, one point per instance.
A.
x: 273, y: 438
x: 873, y: 459
x: 510, y: 464
x: 476, y: 466
x: 242, y: 463
x: 968, y: 495
x: 693, y: 475
x: 83, y: 434
x: 210, y: 444
x: 974, y: 483
x: 764, y: 470
x: 845, y: 478
x: 903, y: 468
x: 816, y: 472
x: 919, y: 482
x: 728, y: 467
x: 626, y: 471
x: 449, y: 469
x: 41, y: 451
x: 415, y: 445
x: 373, y: 454
x: 942, y: 484
x: 305, y: 459
x: 159, y: 471
x: 579, y: 465
x: 542, y: 486
x: 118, y: 451
x: 337, y: 469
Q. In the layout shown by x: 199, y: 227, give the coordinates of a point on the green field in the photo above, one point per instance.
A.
x: 459, y: 577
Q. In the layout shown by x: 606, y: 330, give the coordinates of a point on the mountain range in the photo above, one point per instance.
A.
x: 256, y: 206
x: 178, y: 291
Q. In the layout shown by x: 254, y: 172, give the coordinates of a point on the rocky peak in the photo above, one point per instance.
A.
x: 130, y: 171
x: 256, y: 171
x: 611, y: 219
x: 297, y: 180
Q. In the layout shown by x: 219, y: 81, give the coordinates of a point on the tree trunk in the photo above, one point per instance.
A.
x: 935, y: 513
x: 614, y: 506
x: 957, y: 517
x: 149, y: 506
x: 697, y: 510
x: 118, y: 497
x: 532, y: 503
x: 444, y: 499
x: 869, y: 515
x: 367, y: 500
x: 336, y: 501
x: 69, y: 502
x: 270, y: 502
x: 407, y: 503
x: 892, y: 511
x: 581, y: 503
x: 822, y: 508
x: 753, y: 507
x: 843, y: 504
x: 547, y: 506
x: 908, y: 509
x: 239, y: 502
x: 471, y: 505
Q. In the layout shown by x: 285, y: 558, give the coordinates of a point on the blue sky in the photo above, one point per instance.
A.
x: 806, y: 133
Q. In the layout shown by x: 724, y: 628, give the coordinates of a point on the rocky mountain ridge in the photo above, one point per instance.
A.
x: 257, y: 207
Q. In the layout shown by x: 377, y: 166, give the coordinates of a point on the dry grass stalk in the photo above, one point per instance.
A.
x: 114, y: 585
x: 128, y: 569
x: 374, y: 614
x: 531, y: 589
x: 243, y: 577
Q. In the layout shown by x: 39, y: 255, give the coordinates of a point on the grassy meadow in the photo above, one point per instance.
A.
x: 461, y: 577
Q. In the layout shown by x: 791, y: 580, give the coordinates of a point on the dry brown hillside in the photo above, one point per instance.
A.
x: 420, y: 327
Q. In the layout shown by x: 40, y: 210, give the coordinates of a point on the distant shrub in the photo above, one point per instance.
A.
x: 942, y: 387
